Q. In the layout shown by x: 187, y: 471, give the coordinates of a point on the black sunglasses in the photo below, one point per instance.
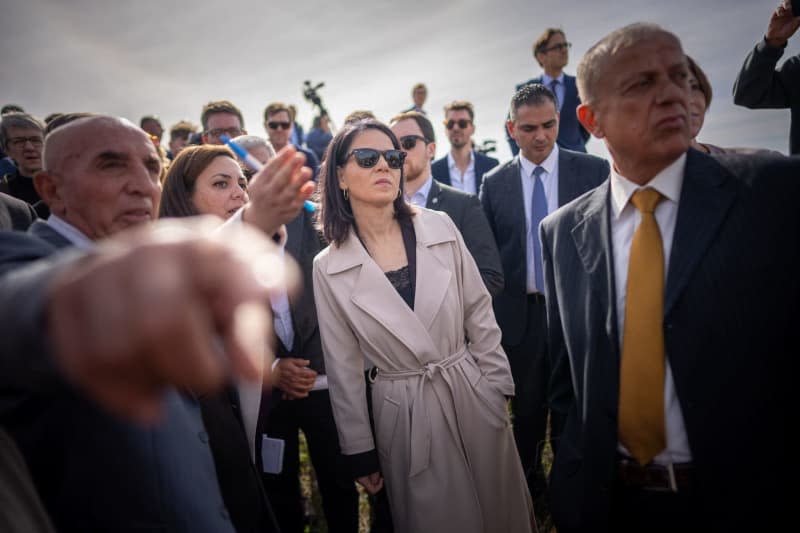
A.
x: 462, y: 123
x: 281, y: 125
x: 408, y: 142
x: 369, y: 157
x: 559, y: 46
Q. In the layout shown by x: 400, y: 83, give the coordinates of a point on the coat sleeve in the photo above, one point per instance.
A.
x: 760, y: 85
x: 344, y: 365
x: 479, y: 240
x: 480, y: 327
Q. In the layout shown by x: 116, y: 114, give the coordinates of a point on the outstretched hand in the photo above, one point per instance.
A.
x: 782, y: 25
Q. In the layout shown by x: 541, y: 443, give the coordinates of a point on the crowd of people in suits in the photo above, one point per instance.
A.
x: 429, y: 325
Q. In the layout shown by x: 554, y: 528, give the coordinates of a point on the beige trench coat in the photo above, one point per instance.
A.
x: 443, y: 433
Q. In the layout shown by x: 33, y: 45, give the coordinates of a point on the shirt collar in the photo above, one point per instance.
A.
x: 668, y: 182
x: 451, y: 163
x: 548, y: 164
x: 547, y: 79
x: 70, y: 232
x: 421, y: 196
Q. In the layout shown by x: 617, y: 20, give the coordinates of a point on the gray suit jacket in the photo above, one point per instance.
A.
x: 731, y: 305
x: 15, y: 214
x: 465, y: 211
x: 504, y: 205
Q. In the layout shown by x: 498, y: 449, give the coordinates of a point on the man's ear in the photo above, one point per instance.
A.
x: 510, y: 129
x: 588, y: 119
x: 47, y: 186
x: 431, y: 150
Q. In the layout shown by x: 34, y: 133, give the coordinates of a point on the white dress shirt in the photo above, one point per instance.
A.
x: 550, y: 182
x: 465, y: 181
x: 624, y: 221
x: 420, y: 198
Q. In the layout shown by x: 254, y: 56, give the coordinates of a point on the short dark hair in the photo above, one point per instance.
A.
x: 421, y: 120
x: 335, y: 216
x: 358, y: 114
x: 179, y: 182
x: 460, y: 105
x: 11, y: 108
x: 531, y: 94
x: 702, y: 80
x: 64, y: 118
x: 219, y: 106
x: 149, y: 118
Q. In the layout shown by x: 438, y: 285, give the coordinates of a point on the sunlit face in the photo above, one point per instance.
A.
x: 279, y: 135
x: 220, y: 189
x: 697, y: 106
x: 110, y: 182
x: 376, y: 186
x: 641, y: 105
x: 535, y: 128
x: 459, y: 137
x: 418, y: 159
x: 557, y: 55
x: 24, y: 146
x: 219, y: 124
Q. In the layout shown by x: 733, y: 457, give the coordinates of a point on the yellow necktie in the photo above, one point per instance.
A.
x: 641, y: 388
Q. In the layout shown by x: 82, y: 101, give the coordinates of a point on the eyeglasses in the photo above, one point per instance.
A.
x: 559, y: 46
x: 279, y: 125
x: 19, y: 142
x: 462, y: 123
x: 369, y: 157
x: 408, y: 142
x: 219, y: 132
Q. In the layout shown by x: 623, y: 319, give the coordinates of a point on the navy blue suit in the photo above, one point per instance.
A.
x: 731, y: 338
x: 571, y: 134
x: 483, y: 164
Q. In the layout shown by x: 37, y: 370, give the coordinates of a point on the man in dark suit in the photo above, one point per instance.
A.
x: 672, y: 296
x: 15, y: 214
x: 516, y: 196
x: 463, y: 167
x: 301, y: 400
x: 417, y: 139
x: 419, y: 93
x: 551, y: 51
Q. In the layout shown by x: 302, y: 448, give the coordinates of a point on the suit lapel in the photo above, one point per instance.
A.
x: 566, y: 178
x: 433, y: 278
x: 515, y: 201
x: 704, y: 203
x: 592, y: 237
x: 434, y: 200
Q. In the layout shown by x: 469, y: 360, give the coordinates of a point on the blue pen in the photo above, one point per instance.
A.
x: 256, y: 165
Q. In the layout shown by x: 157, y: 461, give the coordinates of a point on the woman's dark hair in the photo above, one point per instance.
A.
x: 176, y: 199
x: 335, y: 216
x: 702, y: 80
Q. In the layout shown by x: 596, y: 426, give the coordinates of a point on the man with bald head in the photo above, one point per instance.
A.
x: 93, y: 470
x: 672, y: 293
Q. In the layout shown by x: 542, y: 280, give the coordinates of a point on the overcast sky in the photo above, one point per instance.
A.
x: 170, y: 57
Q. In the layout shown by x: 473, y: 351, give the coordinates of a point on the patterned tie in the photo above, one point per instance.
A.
x: 641, y: 389
x: 538, y: 212
x: 553, y: 85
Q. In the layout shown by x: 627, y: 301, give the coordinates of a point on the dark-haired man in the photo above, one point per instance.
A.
x: 516, y: 196
x: 220, y: 118
x: 279, y: 126
x: 463, y: 167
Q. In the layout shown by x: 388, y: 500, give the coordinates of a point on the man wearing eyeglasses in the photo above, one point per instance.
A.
x: 463, y: 167
x: 551, y: 51
x: 278, y: 124
x: 22, y: 138
x: 417, y: 139
x: 220, y: 118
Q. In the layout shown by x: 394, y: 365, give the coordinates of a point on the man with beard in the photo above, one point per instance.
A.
x: 416, y: 136
x: 463, y: 167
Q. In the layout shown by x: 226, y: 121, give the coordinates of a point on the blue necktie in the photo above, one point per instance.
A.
x: 538, y: 212
x: 553, y: 85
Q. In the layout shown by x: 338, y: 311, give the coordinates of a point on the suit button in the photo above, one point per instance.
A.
x: 203, y: 436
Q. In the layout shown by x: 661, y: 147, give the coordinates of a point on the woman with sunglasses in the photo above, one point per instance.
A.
x: 398, y: 288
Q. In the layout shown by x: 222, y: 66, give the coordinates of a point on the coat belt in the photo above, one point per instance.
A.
x: 421, y: 433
